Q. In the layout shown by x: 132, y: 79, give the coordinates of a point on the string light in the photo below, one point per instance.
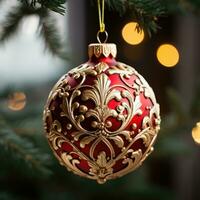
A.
x: 131, y: 35
x: 17, y: 101
x: 196, y: 133
x: 168, y: 55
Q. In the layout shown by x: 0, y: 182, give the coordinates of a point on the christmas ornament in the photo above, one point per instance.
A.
x: 101, y: 118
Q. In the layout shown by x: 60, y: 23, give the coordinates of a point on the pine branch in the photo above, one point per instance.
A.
x: 48, y: 29
x: 10, y: 26
x: 145, y: 12
x: 13, y: 19
x: 55, y: 5
x: 23, y: 149
x: 51, y: 37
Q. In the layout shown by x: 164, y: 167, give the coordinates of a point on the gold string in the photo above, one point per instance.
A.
x: 101, y: 15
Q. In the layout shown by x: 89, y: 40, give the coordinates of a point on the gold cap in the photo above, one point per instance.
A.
x: 104, y: 49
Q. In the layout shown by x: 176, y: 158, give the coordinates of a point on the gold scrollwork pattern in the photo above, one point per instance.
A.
x: 100, y: 117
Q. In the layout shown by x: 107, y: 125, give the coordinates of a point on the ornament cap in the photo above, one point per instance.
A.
x: 102, y: 49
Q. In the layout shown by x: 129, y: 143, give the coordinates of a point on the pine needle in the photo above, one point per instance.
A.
x: 50, y: 34
x: 13, y: 20
x: 23, y: 149
x: 48, y: 30
x: 145, y: 12
x: 55, y: 5
x: 11, y: 24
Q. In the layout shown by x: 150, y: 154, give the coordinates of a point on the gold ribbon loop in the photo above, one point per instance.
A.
x: 102, y: 26
x: 101, y: 15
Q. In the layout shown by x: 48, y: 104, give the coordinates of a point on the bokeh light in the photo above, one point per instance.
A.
x: 196, y: 133
x: 131, y: 35
x: 17, y: 101
x: 168, y: 55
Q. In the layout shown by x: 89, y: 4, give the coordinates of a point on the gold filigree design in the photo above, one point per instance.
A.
x: 98, y: 123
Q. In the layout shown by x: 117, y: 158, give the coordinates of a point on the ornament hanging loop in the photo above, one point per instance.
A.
x: 102, y: 26
x: 99, y: 34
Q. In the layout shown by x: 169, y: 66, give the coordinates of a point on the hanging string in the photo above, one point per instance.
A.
x: 102, y: 29
x: 101, y: 9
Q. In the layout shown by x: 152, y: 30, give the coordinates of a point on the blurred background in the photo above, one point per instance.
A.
x: 169, y: 61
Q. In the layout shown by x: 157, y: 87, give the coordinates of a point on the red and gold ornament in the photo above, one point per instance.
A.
x: 101, y: 118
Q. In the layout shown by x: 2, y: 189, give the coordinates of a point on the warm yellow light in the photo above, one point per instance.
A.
x: 17, y: 101
x: 131, y: 35
x: 196, y: 133
x: 168, y: 55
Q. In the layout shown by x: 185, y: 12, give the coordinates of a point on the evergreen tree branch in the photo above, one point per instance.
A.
x: 23, y: 149
x: 145, y: 12
x: 55, y: 5
x: 52, y: 39
x: 11, y: 24
x: 48, y: 29
x: 13, y: 19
